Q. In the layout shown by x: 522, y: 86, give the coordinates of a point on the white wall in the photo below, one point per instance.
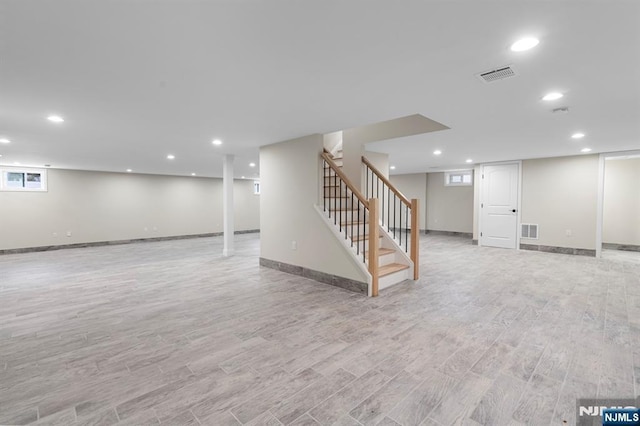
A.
x: 413, y: 186
x: 246, y: 206
x: 560, y: 194
x: 290, y: 178
x: 368, y: 183
x: 449, y: 208
x: 621, y: 218
x: 98, y: 206
x: 379, y: 160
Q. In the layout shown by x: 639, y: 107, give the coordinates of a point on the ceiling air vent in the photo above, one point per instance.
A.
x: 530, y: 230
x: 497, y: 74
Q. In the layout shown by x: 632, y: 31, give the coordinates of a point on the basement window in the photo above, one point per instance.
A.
x: 458, y: 178
x: 23, y: 180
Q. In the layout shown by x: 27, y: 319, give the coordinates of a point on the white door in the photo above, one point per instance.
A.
x: 498, y: 206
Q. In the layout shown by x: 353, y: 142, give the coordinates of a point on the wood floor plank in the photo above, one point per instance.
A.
x: 275, y: 396
x: 167, y: 330
x: 458, y: 404
x: 538, y: 400
x: 499, y: 402
x: 379, y: 404
x: 289, y: 410
x: 415, y: 408
x: 340, y: 403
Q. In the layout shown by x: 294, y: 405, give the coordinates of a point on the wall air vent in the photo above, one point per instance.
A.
x: 497, y: 74
x: 530, y: 230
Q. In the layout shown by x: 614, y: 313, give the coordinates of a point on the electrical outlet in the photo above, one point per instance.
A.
x: 68, y: 233
x: 568, y: 232
x: 294, y: 245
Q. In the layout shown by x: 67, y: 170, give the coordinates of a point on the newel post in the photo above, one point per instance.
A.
x: 415, y: 238
x: 374, y: 214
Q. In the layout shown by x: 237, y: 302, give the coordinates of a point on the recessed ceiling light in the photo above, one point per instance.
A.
x: 242, y: 177
x: 252, y: 164
x: 552, y: 96
x: 216, y: 142
x: 577, y: 135
x: 392, y: 167
x: 55, y: 118
x: 193, y: 174
x: 437, y: 152
x: 5, y: 140
x: 129, y: 170
x: 524, y: 44
x: 171, y: 157
x: 17, y: 163
x: 585, y: 150
x: 468, y: 160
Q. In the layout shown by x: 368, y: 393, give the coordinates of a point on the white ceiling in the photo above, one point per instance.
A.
x: 136, y: 81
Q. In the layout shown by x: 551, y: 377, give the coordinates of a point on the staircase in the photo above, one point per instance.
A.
x: 358, y: 221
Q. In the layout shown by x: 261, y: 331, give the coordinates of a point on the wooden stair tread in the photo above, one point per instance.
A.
x: 382, y: 251
x: 391, y: 268
x: 355, y: 222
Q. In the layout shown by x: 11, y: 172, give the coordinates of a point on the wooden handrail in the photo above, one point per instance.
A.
x: 344, y: 177
x: 400, y: 195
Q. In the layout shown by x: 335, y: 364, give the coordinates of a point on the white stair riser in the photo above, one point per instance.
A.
x: 386, y: 259
x: 346, y: 215
x: 364, y: 245
x: 331, y: 177
x: 356, y: 230
x: 392, y: 279
x: 360, y: 229
x: 332, y: 191
x: 339, y: 203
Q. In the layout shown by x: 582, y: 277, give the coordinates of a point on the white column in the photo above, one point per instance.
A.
x: 227, y: 204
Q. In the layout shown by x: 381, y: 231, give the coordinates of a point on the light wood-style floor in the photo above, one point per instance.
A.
x: 172, y: 333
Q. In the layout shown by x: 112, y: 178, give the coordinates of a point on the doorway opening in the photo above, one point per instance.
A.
x: 619, y: 207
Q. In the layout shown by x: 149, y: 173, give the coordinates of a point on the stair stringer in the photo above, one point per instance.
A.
x: 346, y: 243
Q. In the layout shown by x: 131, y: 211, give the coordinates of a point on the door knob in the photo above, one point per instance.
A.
x: 514, y: 210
